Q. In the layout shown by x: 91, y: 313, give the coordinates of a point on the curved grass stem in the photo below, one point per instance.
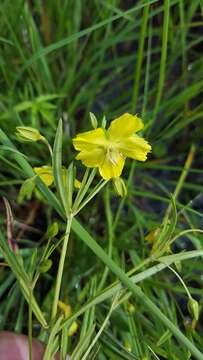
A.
x: 61, y: 267
x: 30, y: 325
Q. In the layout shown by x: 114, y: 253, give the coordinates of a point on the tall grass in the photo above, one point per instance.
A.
x: 63, y: 59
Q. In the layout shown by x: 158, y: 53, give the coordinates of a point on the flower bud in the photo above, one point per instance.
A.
x: 52, y: 230
x: 93, y: 120
x: 119, y: 186
x: 104, y: 122
x: 45, y: 265
x: 127, y: 345
x: 193, y: 308
x: 28, y: 133
x: 66, y: 308
x: 131, y: 308
x: 77, y: 184
x: 72, y: 329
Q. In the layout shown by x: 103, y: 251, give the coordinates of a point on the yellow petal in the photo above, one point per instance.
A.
x: 153, y: 235
x: 45, y: 174
x: 112, y: 166
x: 135, y: 147
x: 77, y: 183
x: 66, y: 308
x: 125, y: 126
x: 92, y: 158
x: 73, y: 328
x: 90, y: 139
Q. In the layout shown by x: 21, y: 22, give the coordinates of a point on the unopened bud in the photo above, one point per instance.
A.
x: 193, y: 308
x: 45, y: 265
x: 72, y: 329
x: 66, y: 308
x: 120, y: 186
x: 52, y: 230
x: 77, y: 184
x: 93, y: 120
x: 131, y: 308
x: 127, y: 345
x: 104, y: 122
x: 28, y: 133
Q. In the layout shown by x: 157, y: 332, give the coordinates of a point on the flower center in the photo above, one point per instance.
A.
x: 113, y: 155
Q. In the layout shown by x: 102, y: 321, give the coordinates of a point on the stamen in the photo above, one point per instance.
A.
x: 111, y: 156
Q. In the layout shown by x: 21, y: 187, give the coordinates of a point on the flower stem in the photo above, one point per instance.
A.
x: 48, y: 145
x: 91, y: 195
x: 181, y: 280
x: 84, y: 188
x: 61, y: 267
x: 110, y: 236
x: 30, y: 325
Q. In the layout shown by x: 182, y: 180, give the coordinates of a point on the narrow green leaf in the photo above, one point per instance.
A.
x: 57, y: 167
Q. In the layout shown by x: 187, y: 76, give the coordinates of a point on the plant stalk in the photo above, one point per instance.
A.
x: 61, y: 267
x: 30, y: 325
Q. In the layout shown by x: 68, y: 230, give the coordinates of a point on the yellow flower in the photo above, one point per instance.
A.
x: 73, y: 328
x: 153, y: 235
x: 66, y: 309
x: 108, y: 149
x: 46, y: 175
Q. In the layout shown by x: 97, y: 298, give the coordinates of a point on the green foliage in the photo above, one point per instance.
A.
x: 87, y: 61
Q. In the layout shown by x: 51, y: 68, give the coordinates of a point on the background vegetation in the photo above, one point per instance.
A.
x: 65, y: 59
